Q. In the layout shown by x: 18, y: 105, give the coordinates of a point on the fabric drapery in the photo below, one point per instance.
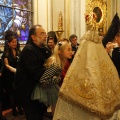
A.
x: 92, y: 83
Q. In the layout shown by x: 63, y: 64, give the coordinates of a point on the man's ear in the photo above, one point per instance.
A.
x: 115, y: 39
x: 33, y: 37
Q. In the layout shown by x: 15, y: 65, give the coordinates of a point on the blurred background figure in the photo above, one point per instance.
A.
x: 51, y: 40
x: 74, y: 44
x: 51, y: 43
x: 53, y: 35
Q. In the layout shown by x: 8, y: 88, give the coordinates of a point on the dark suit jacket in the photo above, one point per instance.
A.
x: 74, y: 49
x: 29, y: 70
x: 116, y: 59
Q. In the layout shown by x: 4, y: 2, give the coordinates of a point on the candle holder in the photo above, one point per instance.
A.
x: 60, y: 26
x: 59, y: 33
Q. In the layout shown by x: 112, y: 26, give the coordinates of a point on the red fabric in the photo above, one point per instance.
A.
x: 64, y: 72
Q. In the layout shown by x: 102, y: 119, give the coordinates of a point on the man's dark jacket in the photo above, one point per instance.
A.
x: 29, y: 70
x: 116, y: 59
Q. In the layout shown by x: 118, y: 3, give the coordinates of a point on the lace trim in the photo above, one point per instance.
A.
x: 95, y: 113
x: 92, y: 35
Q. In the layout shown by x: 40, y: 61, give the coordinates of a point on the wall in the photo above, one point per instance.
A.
x: 118, y: 7
x: 40, y: 8
x: 113, y: 8
x: 46, y: 13
x: 73, y: 15
x: 73, y: 18
x: 77, y: 18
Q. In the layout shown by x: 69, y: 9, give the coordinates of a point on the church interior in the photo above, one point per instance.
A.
x: 47, y: 14
x: 64, y: 17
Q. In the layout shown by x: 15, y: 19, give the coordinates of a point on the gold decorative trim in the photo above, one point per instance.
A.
x: 90, y: 111
x: 60, y: 26
x: 96, y: 14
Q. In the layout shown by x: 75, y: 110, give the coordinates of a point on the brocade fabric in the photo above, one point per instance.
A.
x: 91, y: 85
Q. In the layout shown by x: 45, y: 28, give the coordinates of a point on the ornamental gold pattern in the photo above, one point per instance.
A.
x: 60, y: 26
x: 95, y: 15
x: 90, y: 83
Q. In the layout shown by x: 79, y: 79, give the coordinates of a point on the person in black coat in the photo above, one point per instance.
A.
x: 111, y: 42
x: 29, y: 70
x: 10, y: 57
x: 116, y: 58
x: 1, y: 88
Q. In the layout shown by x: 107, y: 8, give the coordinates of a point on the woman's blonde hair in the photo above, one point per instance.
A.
x: 56, y: 57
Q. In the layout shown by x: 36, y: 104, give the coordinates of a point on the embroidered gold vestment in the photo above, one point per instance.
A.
x: 92, y: 83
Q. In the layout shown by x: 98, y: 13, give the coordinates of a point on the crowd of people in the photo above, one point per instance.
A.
x: 33, y: 76
x: 79, y: 83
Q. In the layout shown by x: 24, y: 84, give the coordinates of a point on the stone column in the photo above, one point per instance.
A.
x: 77, y: 21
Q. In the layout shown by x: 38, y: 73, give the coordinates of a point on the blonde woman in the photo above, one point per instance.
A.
x: 47, y: 90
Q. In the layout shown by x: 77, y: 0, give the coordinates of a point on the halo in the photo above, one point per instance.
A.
x: 96, y: 13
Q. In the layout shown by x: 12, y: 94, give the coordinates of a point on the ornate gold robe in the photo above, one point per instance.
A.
x: 91, y: 84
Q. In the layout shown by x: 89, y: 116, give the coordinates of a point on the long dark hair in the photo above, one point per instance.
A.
x: 52, y: 34
x: 9, y: 36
